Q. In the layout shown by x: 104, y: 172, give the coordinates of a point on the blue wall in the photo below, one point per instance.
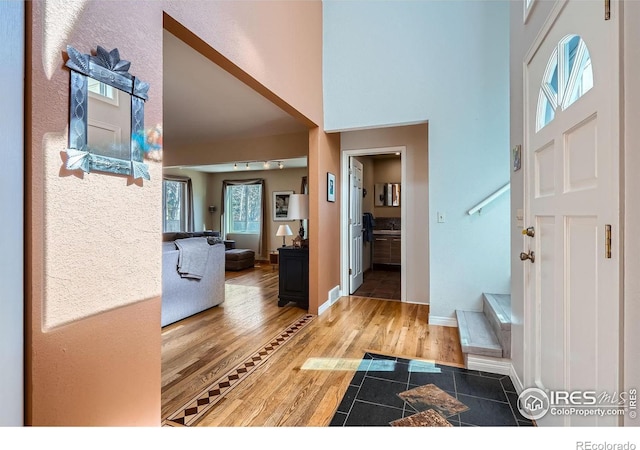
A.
x: 445, y: 62
x: 11, y: 211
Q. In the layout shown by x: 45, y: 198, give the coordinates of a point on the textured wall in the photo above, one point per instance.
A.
x: 94, y: 239
x: 94, y: 247
x: 98, y: 229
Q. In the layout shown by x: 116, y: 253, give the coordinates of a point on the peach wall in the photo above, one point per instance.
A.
x: 276, y: 48
x: 276, y: 147
x: 387, y: 171
x: 93, y: 348
x: 278, y: 43
x: 93, y: 321
x: 416, y: 190
x: 324, y: 222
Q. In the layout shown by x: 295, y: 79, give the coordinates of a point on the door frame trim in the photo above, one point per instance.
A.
x: 344, y: 213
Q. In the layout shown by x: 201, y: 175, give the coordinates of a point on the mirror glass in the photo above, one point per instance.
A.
x: 379, y: 193
x: 386, y: 194
x: 394, y: 189
x: 108, y: 120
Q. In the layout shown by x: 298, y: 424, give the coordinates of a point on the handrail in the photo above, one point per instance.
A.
x: 489, y: 199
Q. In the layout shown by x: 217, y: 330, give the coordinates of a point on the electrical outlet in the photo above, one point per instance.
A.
x: 441, y: 217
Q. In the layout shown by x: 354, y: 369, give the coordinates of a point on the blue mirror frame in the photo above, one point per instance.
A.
x: 107, y: 67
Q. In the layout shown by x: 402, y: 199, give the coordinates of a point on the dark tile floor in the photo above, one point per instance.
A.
x: 380, y: 283
x: 372, y: 397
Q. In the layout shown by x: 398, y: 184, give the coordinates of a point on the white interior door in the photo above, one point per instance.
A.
x: 355, y: 225
x: 572, y: 195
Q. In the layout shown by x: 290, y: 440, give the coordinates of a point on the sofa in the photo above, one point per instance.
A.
x: 184, y: 295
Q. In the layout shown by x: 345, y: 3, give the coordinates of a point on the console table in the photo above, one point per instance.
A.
x: 293, y: 276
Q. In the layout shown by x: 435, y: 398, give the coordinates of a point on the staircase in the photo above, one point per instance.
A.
x: 486, y: 336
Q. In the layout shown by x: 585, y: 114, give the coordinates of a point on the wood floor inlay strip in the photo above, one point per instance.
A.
x: 192, y: 411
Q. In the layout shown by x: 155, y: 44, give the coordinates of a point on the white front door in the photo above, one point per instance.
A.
x: 355, y: 225
x: 572, y: 287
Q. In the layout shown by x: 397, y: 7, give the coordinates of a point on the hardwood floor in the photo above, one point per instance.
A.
x: 303, y: 383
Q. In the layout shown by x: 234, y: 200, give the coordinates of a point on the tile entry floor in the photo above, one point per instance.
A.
x: 372, y: 397
x: 379, y: 283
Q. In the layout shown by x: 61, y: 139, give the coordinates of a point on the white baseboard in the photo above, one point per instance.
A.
x: 443, y: 321
x: 488, y: 364
x: 322, y: 308
x: 517, y: 383
x: 334, y: 296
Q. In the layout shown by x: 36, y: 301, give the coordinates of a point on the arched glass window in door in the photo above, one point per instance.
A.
x: 567, y: 77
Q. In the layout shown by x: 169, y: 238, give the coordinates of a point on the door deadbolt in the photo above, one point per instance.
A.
x: 531, y: 232
x: 530, y: 256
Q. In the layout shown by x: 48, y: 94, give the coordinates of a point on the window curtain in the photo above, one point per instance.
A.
x: 262, y: 238
x: 188, y: 198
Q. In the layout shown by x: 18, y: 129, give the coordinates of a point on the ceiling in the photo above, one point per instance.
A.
x: 205, y: 104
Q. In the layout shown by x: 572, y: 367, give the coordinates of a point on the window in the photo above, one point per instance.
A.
x: 568, y: 77
x: 100, y: 88
x: 176, y: 205
x: 244, y: 208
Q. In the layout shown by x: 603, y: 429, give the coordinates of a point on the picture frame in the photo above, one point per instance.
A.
x: 280, y: 206
x: 331, y: 187
x: 517, y: 157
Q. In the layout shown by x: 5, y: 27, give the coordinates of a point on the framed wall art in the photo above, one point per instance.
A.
x: 281, y: 205
x: 331, y: 187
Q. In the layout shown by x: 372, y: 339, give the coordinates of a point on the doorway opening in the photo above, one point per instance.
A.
x: 372, y: 245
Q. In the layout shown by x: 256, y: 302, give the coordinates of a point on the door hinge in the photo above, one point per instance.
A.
x: 607, y: 241
x: 607, y: 9
x: 350, y: 271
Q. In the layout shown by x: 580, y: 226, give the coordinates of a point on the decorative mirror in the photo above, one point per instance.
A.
x: 106, y: 126
x: 386, y: 194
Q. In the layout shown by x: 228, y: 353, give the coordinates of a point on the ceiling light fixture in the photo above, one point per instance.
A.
x: 266, y: 164
x: 280, y: 165
x: 246, y: 166
x: 235, y: 166
x: 397, y: 153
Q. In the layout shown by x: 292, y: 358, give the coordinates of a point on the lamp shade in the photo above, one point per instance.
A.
x: 284, y: 230
x: 298, y: 207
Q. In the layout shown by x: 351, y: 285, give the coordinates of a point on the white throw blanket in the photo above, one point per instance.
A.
x: 192, y: 257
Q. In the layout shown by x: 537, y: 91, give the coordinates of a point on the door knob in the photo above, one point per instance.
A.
x: 531, y: 232
x: 530, y: 256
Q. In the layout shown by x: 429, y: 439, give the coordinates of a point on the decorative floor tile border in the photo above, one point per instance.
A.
x: 192, y: 411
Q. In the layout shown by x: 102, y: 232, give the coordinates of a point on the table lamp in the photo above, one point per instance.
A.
x: 299, y: 210
x: 284, y: 230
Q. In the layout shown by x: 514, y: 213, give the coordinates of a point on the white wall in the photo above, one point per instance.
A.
x: 446, y: 63
x: 522, y: 37
x: 11, y: 211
